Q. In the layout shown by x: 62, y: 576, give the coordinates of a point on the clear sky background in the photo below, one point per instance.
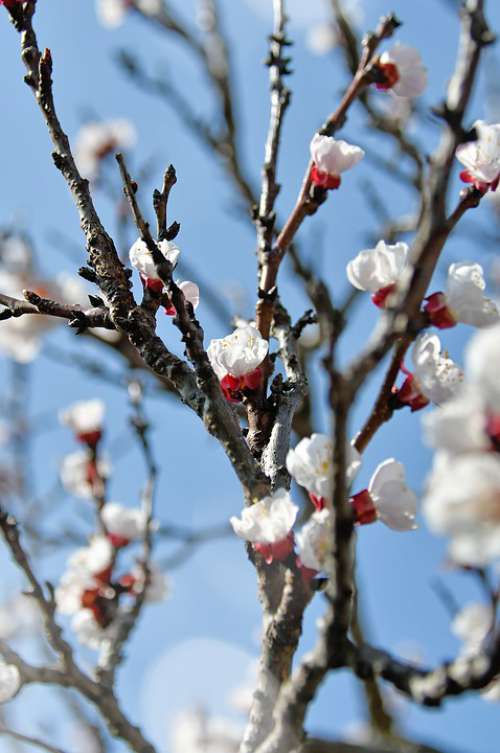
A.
x: 195, y: 646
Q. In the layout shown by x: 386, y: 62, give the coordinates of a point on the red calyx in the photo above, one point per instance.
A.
x: 380, y: 297
x: 170, y: 310
x: 391, y: 76
x: 324, y: 180
x: 436, y: 308
x: 307, y: 573
x: 128, y: 582
x: 364, y: 509
x: 10, y: 4
x: 276, y: 552
x: 409, y: 393
x: 493, y: 429
x: 93, y: 599
x: 118, y: 542
x: 92, y: 475
x: 90, y: 438
x: 318, y: 502
x: 152, y: 283
x: 232, y: 386
x: 479, y: 185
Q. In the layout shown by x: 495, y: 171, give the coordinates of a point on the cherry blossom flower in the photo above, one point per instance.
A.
x: 87, y: 629
x: 381, y: 271
x: 436, y: 378
x: 85, y: 420
x: 267, y: 524
x: 311, y: 465
x: 387, y: 499
x: 21, y: 336
x: 482, y: 364
x: 464, y: 300
x: 236, y: 360
x: 111, y: 13
x: 157, y: 586
x: 10, y: 681
x: 191, y: 293
x: 97, y: 140
x: 82, y: 475
x: 330, y: 159
x: 142, y: 259
x: 460, y: 425
x: 404, y: 72
x: 314, y: 540
x: 321, y: 38
x: 85, y: 586
x: 481, y: 157
x: 463, y: 502
x: 122, y: 523
x: 19, y: 617
x: 93, y: 559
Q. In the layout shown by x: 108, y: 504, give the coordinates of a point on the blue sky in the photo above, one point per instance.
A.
x: 193, y: 647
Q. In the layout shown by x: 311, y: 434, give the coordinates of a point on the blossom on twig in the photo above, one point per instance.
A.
x: 481, y: 157
x: 331, y: 158
x: 10, y: 681
x: 435, y: 378
x: 382, y: 271
x: 85, y: 419
x: 310, y: 463
x: 403, y: 70
x: 387, y: 499
x: 236, y: 359
x: 268, y: 524
x: 464, y: 300
x: 97, y: 140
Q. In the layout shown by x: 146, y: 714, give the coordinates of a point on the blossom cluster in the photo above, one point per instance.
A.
x: 268, y: 523
x: 141, y: 258
x: 462, y: 499
x: 90, y: 590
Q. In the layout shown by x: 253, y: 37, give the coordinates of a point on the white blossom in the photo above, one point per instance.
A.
x: 482, y: 365
x: 310, y: 463
x: 158, y: 586
x: 190, y: 291
x: 74, y: 473
x: 111, y: 13
x: 124, y: 521
x: 239, y: 353
x: 465, y: 298
x: 21, y: 336
x: 96, y: 140
x: 142, y: 259
x: 70, y: 589
x: 438, y: 377
x: 376, y: 268
x: 10, y: 681
x: 94, y: 558
x: 268, y: 521
x: 87, y: 630
x: 481, y: 158
x: 395, y: 504
x: 19, y: 616
x: 412, y: 73
x: 314, y: 540
x: 321, y: 38
x: 193, y: 731
x: 84, y: 417
x: 332, y: 156
x: 459, y: 425
x: 463, y: 501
